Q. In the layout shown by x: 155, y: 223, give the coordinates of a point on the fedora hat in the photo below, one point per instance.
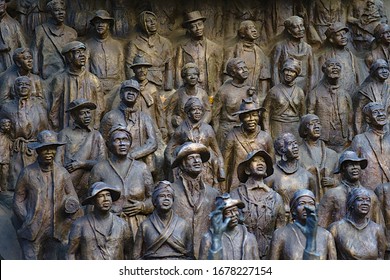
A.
x: 79, y: 104
x: 191, y: 17
x: 139, y: 60
x: 45, y: 138
x: 248, y: 105
x: 242, y: 176
x: 98, y: 187
x: 350, y: 156
x: 102, y: 14
x: 190, y: 148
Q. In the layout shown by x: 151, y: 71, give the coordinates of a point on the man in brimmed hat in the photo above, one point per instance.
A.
x: 285, y: 103
x: 333, y: 105
x: 45, y: 202
x: 75, y: 81
x: 294, y: 46
x: 138, y: 123
x: 302, y: 239
x: 336, y: 46
x: 164, y: 235
x: 49, y: 39
x: 332, y: 206
x: 229, y: 96
x: 243, y: 139
x: 375, y: 88
x: 100, y: 235
x: 382, y: 45
x: 28, y: 116
x: 253, y: 192
x: 11, y: 37
x: 106, y: 54
x: 227, y: 238
x: 84, y: 146
x: 157, y: 50
x: 201, y: 51
x: 194, y: 198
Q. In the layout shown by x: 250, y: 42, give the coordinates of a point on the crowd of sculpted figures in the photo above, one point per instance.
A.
x: 197, y: 130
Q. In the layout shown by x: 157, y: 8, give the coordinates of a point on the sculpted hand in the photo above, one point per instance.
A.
x: 73, y: 166
x: 327, y: 182
x: 133, y: 208
x: 310, y: 229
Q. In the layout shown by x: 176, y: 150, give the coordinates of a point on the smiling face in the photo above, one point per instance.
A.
x: 25, y: 61
x: 382, y: 73
x: 377, y: 118
x: 23, y: 88
x: 332, y: 69
x: 289, y: 75
x: 192, y: 164
x: 362, y: 205
x: 257, y: 166
x: 339, y: 38
x: 250, y: 120
x: 103, y: 201
x: 46, y: 154
x: 164, y: 201
x: 195, y: 114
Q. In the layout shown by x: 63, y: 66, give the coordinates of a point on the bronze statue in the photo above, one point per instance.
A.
x: 375, y: 88
x: 382, y: 191
x: 100, y: 235
x: 243, y: 139
x: 49, y: 39
x: 75, y: 81
x: 374, y: 145
x: 193, y: 129
x: 336, y: 47
x: 6, y: 145
x: 285, y: 102
x: 356, y: 236
x: 11, y: 37
x: 259, y: 74
x: 28, y: 116
x: 294, y: 46
x: 302, y: 239
x: 315, y: 157
x: 227, y: 239
x: 333, y: 105
x: 264, y: 208
x: 45, y: 203
x: 381, y: 45
x: 131, y: 176
x: 198, y: 49
x: 157, y: 49
x: 164, y: 235
x: 23, y: 65
x: 106, y: 54
x: 289, y: 176
x: 176, y: 102
x: 194, y: 198
x: 30, y: 14
x: 228, y: 98
x: 332, y: 207
x: 138, y: 123
x: 84, y: 146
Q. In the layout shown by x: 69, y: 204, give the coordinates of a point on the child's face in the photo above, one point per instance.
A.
x: 5, y: 126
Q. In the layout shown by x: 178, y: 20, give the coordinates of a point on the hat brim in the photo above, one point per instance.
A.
x: 203, y: 151
x: 110, y: 19
x: 184, y: 24
x: 89, y: 105
x: 243, y: 177
x: 36, y: 145
x: 260, y: 109
x: 115, y: 195
x: 141, y: 64
x: 363, y: 164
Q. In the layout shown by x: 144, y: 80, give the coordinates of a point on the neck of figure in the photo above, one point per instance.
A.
x: 164, y: 215
x: 333, y: 81
x: 190, y: 89
x: 101, y: 214
x: 102, y: 36
x: 76, y: 68
x: 358, y: 218
x: 313, y: 142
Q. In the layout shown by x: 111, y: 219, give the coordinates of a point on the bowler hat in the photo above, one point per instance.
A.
x: 80, y: 103
x: 74, y: 45
x: 139, y: 60
x: 191, y: 17
x: 248, y: 105
x: 102, y: 14
x: 45, y: 138
x: 98, y: 187
x: 350, y: 156
x: 242, y: 176
x: 190, y: 148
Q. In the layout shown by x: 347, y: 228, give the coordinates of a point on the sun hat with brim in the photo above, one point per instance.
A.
x: 301, y: 193
x: 71, y: 46
x: 45, y: 138
x: 248, y: 105
x: 190, y: 148
x: 191, y: 17
x: 226, y: 201
x: 350, y: 156
x: 139, y: 60
x: 242, y: 176
x: 101, y: 14
x: 98, y: 187
x: 81, y: 103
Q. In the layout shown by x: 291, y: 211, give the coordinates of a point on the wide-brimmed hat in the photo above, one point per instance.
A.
x: 191, y: 17
x: 335, y: 27
x: 139, y: 60
x: 227, y: 202
x: 74, y: 45
x: 131, y: 84
x: 102, y: 14
x: 190, y: 148
x: 45, y: 138
x: 242, y: 176
x: 350, y: 156
x: 248, y: 105
x: 97, y: 187
x: 80, y: 103
x: 301, y: 193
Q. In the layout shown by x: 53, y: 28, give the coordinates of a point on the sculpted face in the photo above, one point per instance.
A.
x: 251, y: 32
x: 191, y: 77
x: 314, y: 129
x: 382, y: 73
x: 103, y: 201
x: 297, y: 28
x: 140, y: 72
x: 129, y: 95
x: 58, y: 13
x: 233, y: 214
x: 78, y: 57
x: 5, y: 125
x: 23, y: 88
x: 289, y: 75
x: 340, y: 38
x: 164, y: 201
x: 362, y: 204
x: 196, y: 113
x: 196, y: 28
x: 352, y: 171
x: 101, y: 26
x: 241, y: 71
x: 192, y: 164
x: 291, y: 149
x: 83, y: 117
x: 378, y: 116
x: 25, y: 61
x: 250, y: 120
x: 300, y: 211
x: 46, y: 154
x: 333, y: 69
x: 151, y: 23
x: 3, y: 7
x: 120, y: 143
x: 386, y: 37
x: 258, y: 166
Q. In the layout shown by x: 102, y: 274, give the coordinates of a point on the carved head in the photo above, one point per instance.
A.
x: 237, y: 69
x: 257, y: 163
x: 119, y: 142
x: 194, y: 109
x: 382, y: 32
x: 194, y: 23
x: 5, y: 125
x: 287, y: 147
x: 295, y: 27
x: 230, y: 209
x: 101, y: 195
x: 332, y: 68
x: 190, y: 74
x: 23, y: 59
x: 46, y: 146
x: 147, y: 22
x: 350, y: 166
x: 129, y: 92
x: 301, y: 199
x: 337, y: 34
x: 291, y: 69
x: 57, y: 9
x: 358, y: 202
x: 74, y: 53
x: 163, y: 196
x: 190, y: 158
x: 80, y: 110
x: 22, y: 87
x: 102, y: 21
x: 310, y: 127
x: 380, y: 70
x: 247, y: 30
x: 375, y: 114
